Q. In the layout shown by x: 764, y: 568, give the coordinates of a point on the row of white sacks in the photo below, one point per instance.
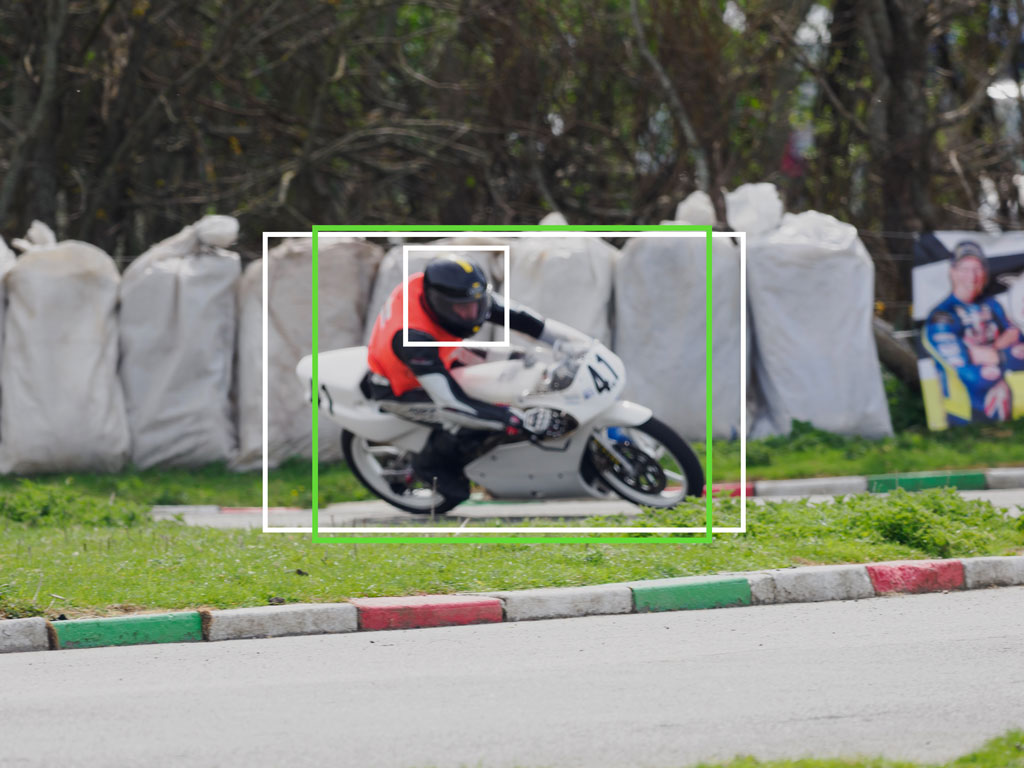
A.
x: 163, y: 365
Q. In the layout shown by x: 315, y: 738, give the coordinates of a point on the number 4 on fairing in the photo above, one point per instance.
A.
x: 601, y: 383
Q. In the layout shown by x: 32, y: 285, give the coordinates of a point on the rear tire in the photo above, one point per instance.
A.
x: 649, y: 448
x: 398, y: 491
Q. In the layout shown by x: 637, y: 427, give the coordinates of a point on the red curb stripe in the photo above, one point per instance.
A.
x: 917, y: 576
x: 426, y: 611
x: 729, y: 489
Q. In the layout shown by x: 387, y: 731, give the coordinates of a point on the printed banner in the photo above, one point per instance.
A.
x: 968, y: 293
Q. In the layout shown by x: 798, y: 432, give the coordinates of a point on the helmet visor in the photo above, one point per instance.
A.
x: 461, y: 315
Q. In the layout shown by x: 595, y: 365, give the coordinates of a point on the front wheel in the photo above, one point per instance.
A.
x: 649, y: 464
x: 387, y: 472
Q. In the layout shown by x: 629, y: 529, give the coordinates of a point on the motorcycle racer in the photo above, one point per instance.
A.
x: 449, y: 301
x: 973, y: 343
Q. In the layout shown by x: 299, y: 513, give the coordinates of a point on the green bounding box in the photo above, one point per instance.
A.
x: 130, y: 630
x: 968, y: 480
x: 711, y: 593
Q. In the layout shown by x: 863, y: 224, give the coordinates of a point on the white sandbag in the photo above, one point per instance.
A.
x: 346, y: 271
x: 390, y: 274
x: 660, y: 331
x: 696, y: 209
x: 754, y: 208
x: 219, y: 231
x: 811, y: 292
x: 177, y: 327
x: 39, y: 235
x: 568, y: 279
x: 249, y: 377
x: 554, y: 219
x: 63, y: 405
x: 7, y: 259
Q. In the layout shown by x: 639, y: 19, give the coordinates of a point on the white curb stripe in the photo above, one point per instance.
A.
x: 282, y: 620
x: 812, y: 584
x: 23, y: 635
x: 811, y: 486
x: 980, y: 572
x: 1008, y: 478
x: 565, y: 602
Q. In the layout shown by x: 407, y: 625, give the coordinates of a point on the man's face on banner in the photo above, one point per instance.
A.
x: 968, y: 277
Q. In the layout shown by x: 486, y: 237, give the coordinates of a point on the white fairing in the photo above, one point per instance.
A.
x: 504, y: 381
x: 585, y: 383
x: 339, y: 373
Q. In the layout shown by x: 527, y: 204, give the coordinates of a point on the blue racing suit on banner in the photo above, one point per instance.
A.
x: 970, y: 391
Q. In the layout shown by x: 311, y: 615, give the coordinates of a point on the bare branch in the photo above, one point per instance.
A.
x: 678, y: 110
x: 56, y: 15
x: 976, y: 99
x: 837, y: 104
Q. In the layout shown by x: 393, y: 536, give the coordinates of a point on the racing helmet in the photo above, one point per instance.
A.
x: 457, y: 295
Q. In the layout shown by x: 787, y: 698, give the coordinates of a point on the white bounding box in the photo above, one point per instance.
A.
x: 429, y: 235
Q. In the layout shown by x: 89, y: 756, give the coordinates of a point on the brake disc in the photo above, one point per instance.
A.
x: 647, y: 477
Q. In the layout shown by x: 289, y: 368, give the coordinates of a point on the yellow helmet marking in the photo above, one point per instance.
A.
x: 464, y: 264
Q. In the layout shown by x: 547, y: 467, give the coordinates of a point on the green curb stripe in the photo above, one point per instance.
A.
x: 964, y: 480
x: 718, y: 593
x: 130, y: 630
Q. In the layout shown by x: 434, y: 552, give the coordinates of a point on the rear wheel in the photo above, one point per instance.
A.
x: 387, y: 472
x: 649, y: 464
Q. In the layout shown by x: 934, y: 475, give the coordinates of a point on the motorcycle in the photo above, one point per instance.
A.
x: 581, y: 438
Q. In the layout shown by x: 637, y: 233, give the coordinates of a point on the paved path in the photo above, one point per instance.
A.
x: 925, y: 678
x: 378, y: 513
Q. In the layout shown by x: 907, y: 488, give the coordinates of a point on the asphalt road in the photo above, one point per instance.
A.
x: 925, y: 677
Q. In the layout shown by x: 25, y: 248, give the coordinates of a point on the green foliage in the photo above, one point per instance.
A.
x: 906, y: 406
x: 290, y: 485
x: 1005, y: 751
x: 939, y: 523
x: 935, y: 523
x: 14, y: 608
x: 34, y: 504
x: 811, y: 452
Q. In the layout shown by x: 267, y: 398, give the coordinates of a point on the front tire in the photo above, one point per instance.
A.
x: 649, y: 465
x: 386, y: 471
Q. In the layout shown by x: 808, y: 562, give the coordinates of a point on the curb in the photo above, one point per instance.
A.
x: 565, y: 602
x: 280, y: 621
x: 377, y: 613
x: 996, y: 479
x: 808, y: 584
x: 24, y: 635
x: 185, y: 627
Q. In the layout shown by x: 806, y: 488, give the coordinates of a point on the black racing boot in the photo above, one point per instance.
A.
x: 441, y: 462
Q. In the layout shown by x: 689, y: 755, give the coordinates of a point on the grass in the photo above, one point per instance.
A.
x: 214, y: 484
x: 1005, y: 751
x: 806, y: 452
x: 809, y: 452
x: 53, y: 566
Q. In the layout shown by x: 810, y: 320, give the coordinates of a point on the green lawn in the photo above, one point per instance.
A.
x: 213, y: 484
x: 1003, y: 752
x: 807, y: 452
x: 51, y: 564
